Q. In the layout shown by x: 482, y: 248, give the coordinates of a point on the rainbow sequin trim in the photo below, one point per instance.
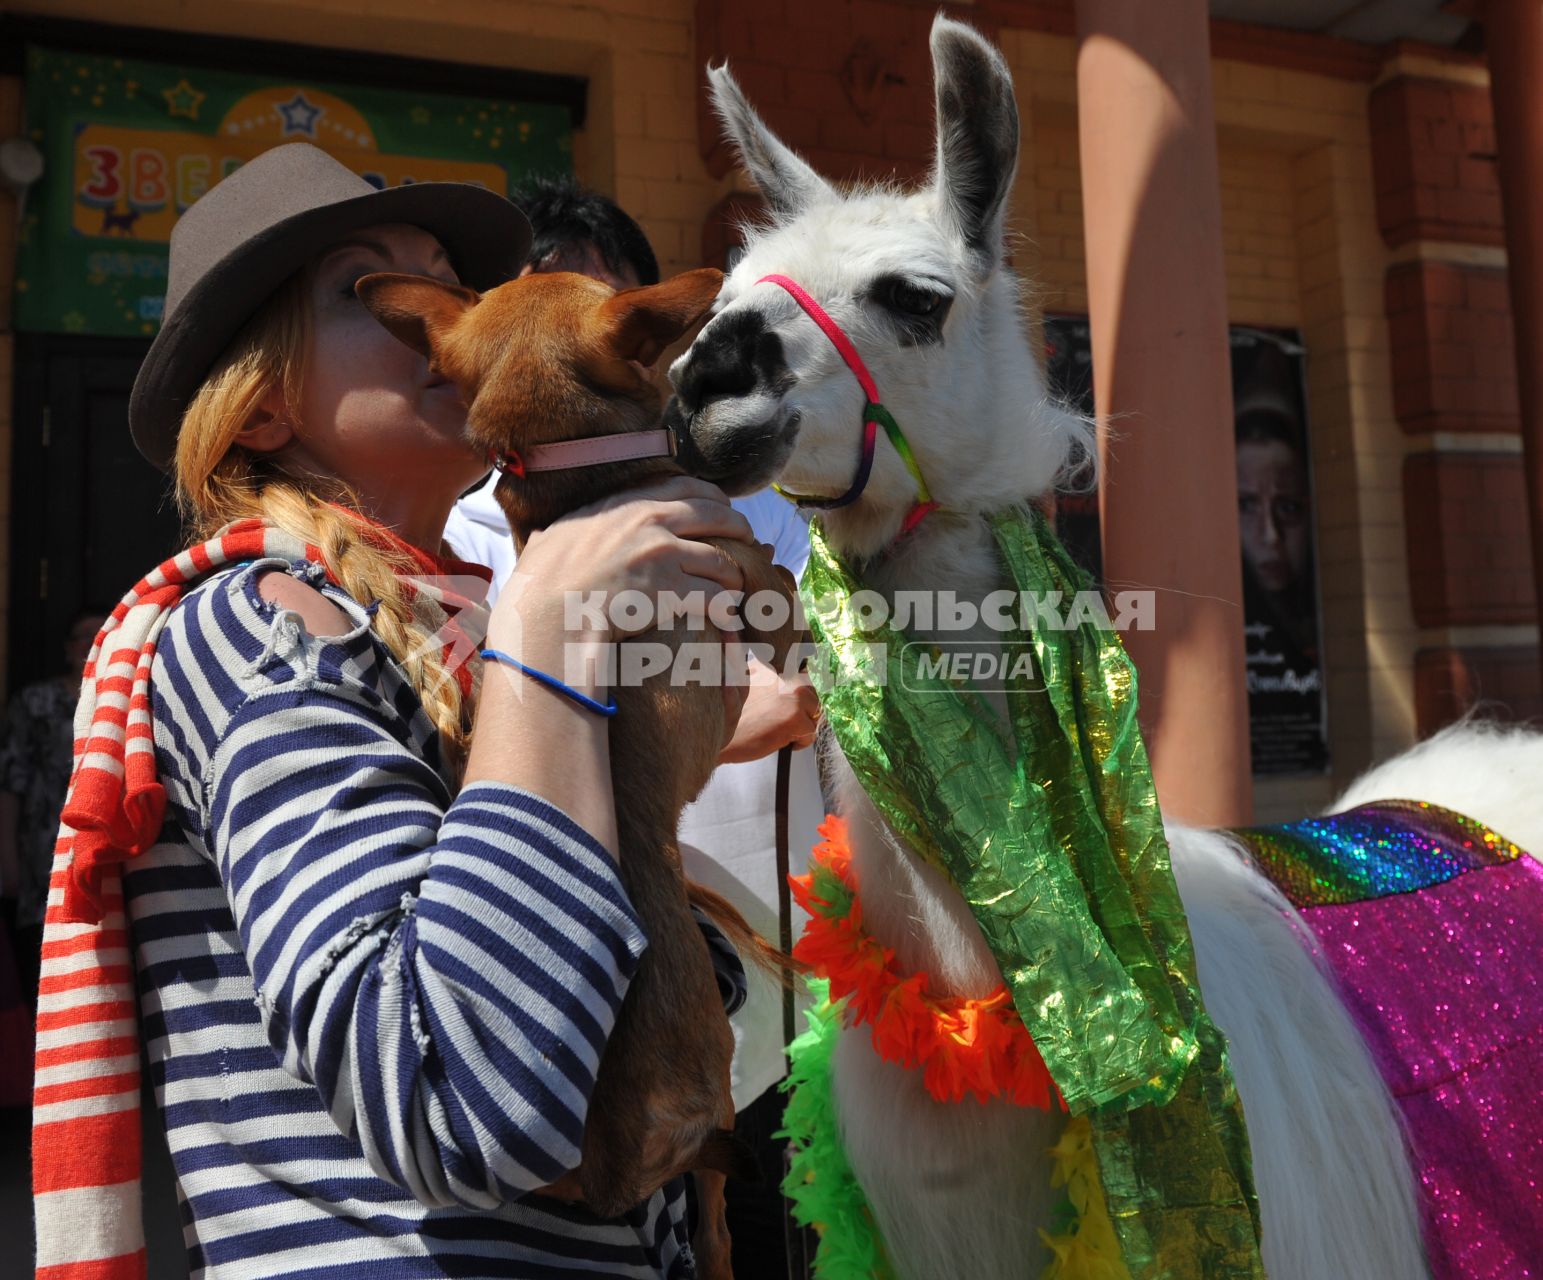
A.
x: 1392, y: 846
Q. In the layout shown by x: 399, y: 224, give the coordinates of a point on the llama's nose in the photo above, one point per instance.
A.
x: 733, y: 355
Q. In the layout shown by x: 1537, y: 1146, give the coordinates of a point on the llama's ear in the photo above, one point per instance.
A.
x: 417, y: 310
x: 641, y: 323
x: 977, y: 144
x: 788, y: 183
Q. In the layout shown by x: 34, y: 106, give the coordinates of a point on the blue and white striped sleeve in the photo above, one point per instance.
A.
x: 728, y: 970
x: 446, y: 977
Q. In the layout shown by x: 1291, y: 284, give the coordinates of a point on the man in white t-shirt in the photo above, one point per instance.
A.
x: 728, y: 835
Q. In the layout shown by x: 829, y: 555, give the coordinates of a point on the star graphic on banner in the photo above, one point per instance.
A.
x: 419, y: 115
x: 183, y: 100
x: 73, y: 321
x: 300, y: 116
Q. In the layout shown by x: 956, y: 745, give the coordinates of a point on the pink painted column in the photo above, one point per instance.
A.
x: 1157, y: 303
x: 1513, y: 32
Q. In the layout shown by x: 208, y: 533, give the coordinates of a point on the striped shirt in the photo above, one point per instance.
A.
x: 374, y: 1010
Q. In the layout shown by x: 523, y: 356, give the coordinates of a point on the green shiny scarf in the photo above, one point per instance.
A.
x: 1056, y: 841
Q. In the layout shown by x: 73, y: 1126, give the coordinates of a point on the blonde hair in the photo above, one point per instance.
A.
x: 219, y: 480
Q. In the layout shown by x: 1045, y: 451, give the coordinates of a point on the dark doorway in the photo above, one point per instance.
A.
x: 89, y: 516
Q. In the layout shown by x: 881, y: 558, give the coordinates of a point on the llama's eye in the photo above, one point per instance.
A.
x: 909, y: 299
x: 917, y: 310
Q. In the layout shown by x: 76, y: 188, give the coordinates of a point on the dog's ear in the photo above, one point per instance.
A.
x: 641, y: 323
x: 417, y: 310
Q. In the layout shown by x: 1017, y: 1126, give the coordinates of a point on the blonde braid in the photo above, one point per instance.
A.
x: 219, y: 481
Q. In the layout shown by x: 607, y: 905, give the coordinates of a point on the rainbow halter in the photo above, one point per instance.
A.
x: 875, y: 415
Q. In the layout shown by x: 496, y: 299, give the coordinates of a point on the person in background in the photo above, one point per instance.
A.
x: 583, y: 231
x: 728, y: 835
x: 36, y: 752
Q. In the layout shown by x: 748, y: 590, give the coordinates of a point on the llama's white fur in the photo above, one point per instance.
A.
x: 1335, y: 1194
x: 1490, y: 771
x: 960, y: 1189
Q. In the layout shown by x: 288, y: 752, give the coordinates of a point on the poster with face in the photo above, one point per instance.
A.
x: 1286, y: 705
x: 1069, y: 371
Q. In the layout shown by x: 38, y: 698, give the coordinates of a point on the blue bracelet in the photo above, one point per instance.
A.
x: 553, y: 683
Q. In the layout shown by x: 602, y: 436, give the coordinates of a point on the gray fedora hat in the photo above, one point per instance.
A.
x: 232, y: 250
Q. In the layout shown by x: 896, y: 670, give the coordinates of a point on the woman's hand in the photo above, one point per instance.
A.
x: 649, y: 540
x: 645, y: 540
x: 777, y: 712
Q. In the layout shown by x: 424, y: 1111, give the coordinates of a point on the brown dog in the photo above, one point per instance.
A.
x: 555, y: 357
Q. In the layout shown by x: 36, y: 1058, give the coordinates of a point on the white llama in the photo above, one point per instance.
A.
x: 917, y: 281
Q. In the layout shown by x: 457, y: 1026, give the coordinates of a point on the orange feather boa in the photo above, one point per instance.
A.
x: 965, y: 1047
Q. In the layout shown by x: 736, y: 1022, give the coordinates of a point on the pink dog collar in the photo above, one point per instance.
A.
x: 590, y: 451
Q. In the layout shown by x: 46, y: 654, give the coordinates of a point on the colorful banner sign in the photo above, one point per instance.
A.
x: 129, y: 146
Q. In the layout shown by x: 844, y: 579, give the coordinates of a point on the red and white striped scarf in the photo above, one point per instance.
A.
x: 86, y: 1122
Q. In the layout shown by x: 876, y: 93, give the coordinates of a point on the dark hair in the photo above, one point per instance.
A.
x: 565, y: 216
x: 1268, y: 424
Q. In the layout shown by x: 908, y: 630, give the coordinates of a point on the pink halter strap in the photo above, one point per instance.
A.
x: 874, y: 415
x: 832, y: 330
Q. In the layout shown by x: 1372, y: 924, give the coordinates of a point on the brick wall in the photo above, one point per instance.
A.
x: 1434, y: 160
x: 1470, y: 557
x: 1499, y: 680
x: 846, y: 83
x: 1258, y: 226
x: 1259, y: 240
x: 1453, y: 347
x: 1306, y: 139
x: 1259, y: 235
x: 1054, y: 258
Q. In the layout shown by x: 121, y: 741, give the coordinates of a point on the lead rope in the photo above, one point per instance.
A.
x: 796, y: 1245
x: 784, y: 890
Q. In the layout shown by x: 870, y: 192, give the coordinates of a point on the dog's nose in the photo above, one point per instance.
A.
x: 731, y: 356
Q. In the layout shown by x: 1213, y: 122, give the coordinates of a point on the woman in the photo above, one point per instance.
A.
x: 379, y: 956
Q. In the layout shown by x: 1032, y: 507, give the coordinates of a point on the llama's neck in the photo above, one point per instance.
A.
x: 998, y: 441
x: 907, y: 904
x: 947, y: 552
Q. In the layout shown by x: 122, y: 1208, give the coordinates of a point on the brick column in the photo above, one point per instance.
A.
x: 1157, y: 305
x: 1514, y: 38
x: 1455, y: 390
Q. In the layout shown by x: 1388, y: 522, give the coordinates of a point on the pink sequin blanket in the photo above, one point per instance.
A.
x: 1433, y: 926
